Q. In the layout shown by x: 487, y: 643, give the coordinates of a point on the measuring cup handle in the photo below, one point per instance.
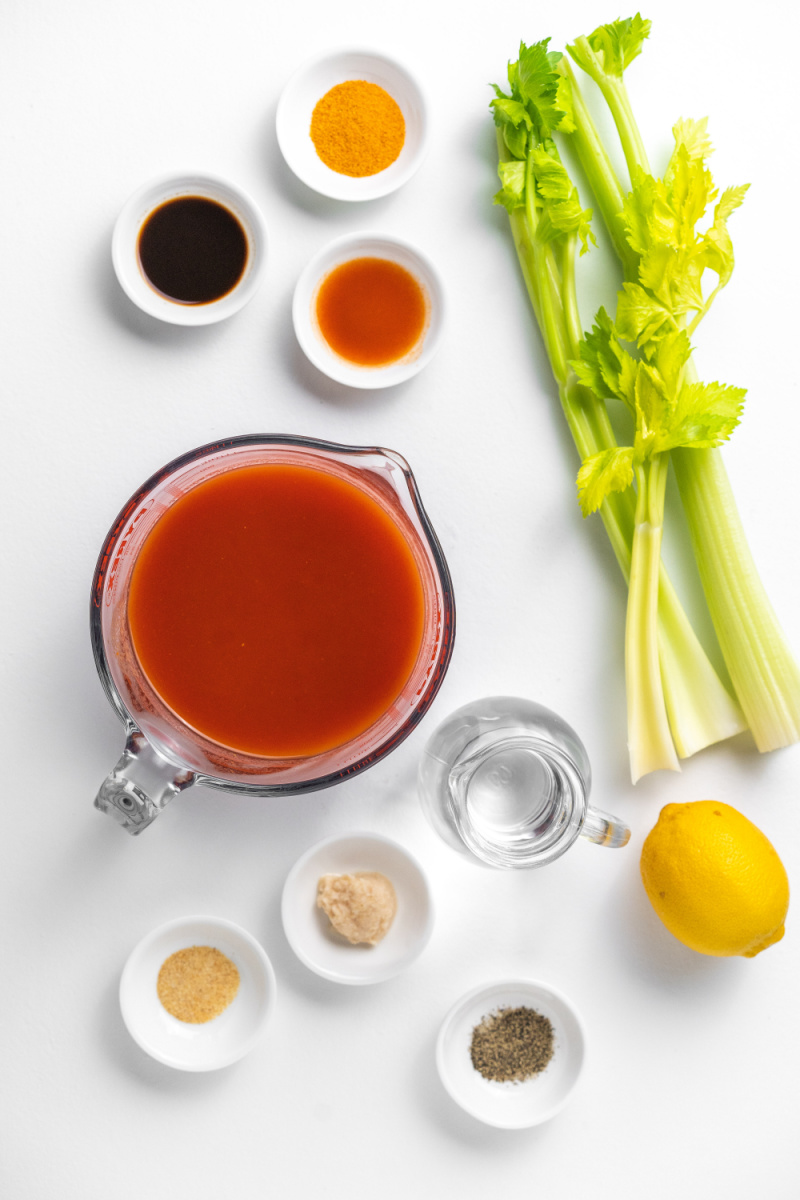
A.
x: 141, y: 784
x: 604, y: 829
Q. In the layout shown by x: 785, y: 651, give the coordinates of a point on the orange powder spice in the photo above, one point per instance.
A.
x: 357, y: 128
x: 197, y: 984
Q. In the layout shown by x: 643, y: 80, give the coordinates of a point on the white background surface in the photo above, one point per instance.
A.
x: 691, y: 1082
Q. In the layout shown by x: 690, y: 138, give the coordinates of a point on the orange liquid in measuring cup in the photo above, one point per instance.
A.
x: 277, y: 609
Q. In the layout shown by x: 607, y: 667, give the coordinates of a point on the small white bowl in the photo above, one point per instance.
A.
x: 306, y: 326
x: 218, y: 1042
x: 309, y: 931
x: 310, y: 83
x: 125, y: 256
x: 511, y: 1105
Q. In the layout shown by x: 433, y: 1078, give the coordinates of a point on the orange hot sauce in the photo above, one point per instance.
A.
x: 371, y: 311
x: 277, y: 609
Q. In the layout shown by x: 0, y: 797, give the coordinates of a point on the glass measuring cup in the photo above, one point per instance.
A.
x: 163, y: 753
x: 506, y: 782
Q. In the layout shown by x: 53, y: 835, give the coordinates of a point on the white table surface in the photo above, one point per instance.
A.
x: 691, y: 1082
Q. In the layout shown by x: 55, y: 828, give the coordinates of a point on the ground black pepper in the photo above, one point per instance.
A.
x: 511, y: 1044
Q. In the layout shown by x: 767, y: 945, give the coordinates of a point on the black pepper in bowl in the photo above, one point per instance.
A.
x: 511, y: 1045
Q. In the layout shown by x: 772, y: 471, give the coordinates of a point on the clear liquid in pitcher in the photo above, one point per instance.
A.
x: 506, y: 781
x: 513, y: 793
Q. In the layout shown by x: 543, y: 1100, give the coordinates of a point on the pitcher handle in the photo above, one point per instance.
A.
x: 141, y: 784
x: 605, y: 830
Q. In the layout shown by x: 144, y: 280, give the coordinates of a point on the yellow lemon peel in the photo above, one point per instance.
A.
x: 715, y: 880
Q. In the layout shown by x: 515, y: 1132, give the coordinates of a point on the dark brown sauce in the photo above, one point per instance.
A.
x: 192, y: 250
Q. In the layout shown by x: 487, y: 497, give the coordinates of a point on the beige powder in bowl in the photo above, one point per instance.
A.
x: 360, y: 907
x: 197, y: 984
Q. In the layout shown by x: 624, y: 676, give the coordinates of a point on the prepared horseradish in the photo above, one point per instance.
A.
x: 192, y: 250
x: 360, y: 907
x: 197, y: 984
x: 277, y: 609
x: 371, y: 311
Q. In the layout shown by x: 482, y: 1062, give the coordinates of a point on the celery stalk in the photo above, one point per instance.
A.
x: 763, y: 670
x: 600, y: 174
x: 699, y: 707
x: 651, y: 746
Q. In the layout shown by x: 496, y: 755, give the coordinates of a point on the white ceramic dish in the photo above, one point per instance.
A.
x: 310, y: 83
x: 218, y: 1042
x: 309, y: 931
x: 306, y: 326
x: 511, y: 1105
x: 125, y: 256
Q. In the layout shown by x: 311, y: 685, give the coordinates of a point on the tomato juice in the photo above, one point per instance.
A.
x: 277, y: 609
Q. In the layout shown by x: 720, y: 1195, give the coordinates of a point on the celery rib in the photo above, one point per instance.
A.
x: 600, y: 174
x: 763, y: 670
x: 650, y: 744
x: 699, y: 707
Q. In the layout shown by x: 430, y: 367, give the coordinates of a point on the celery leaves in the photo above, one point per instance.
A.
x: 604, y: 55
x: 670, y: 409
x: 616, y: 45
x: 561, y: 210
x: 538, y: 104
x: 661, y: 217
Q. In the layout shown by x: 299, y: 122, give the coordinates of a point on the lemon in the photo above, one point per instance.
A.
x: 714, y: 879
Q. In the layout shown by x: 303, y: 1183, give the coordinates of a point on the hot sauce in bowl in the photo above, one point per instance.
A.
x: 371, y: 311
x: 277, y: 609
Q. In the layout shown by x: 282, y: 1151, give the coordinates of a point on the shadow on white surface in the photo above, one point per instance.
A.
x: 459, y: 1127
x: 313, y: 381
x: 115, y: 305
x: 299, y: 981
x: 293, y: 191
x: 117, y: 1046
x: 651, y: 953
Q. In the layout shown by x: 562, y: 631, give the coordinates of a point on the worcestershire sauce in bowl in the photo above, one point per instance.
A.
x: 192, y: 250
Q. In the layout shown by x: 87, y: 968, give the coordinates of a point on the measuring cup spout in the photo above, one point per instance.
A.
x: 605, y: 830
x: 141, y: 784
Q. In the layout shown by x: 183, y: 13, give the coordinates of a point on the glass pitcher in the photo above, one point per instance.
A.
x: 506, y: 782
x: 163, y: 753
